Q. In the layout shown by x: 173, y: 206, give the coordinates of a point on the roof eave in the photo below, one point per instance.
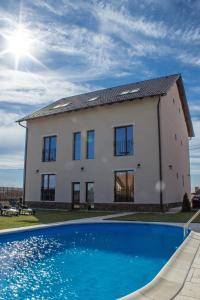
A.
x: 185, y: 107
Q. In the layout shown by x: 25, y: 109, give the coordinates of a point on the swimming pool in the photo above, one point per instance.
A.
x: 101, y: 261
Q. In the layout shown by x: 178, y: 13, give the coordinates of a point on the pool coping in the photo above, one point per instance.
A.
x: 167, y: 284
x: 97, y: 219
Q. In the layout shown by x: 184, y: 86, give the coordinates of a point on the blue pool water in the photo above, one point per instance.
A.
x: 84, y: 261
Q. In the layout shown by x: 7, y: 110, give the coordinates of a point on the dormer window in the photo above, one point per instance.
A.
x: 93, y: 99
x: 61, y: 105
x: 132, y: 91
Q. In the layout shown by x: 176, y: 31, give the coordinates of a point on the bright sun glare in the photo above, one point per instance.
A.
x: 19, y: 43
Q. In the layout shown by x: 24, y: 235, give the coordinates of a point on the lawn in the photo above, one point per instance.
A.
x: 51, y: 216
x: 44, y: 217
x: 180, y: 217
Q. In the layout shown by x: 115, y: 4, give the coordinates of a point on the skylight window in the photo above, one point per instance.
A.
x: 61, y: 105
x: 130, y: 91
x: 93, y: 99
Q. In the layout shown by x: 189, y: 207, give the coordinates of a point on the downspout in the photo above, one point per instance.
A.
x: 160, y: 156
x: 25, y: 161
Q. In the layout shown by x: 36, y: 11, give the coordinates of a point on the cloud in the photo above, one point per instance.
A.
x: 61, y: 8
x: 86, y: 45
x: 189, y: 35
x: 195, y: 149
x: 195, y: 108
x: 188, y: 58
x: 123, y: 24
x: 81, y: 55
x: 55, y: 9
x: 12, y: 145
x: 195, y: 89
x: 34, y: 88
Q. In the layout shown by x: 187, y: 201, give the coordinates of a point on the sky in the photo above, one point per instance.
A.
x: 71, y: 47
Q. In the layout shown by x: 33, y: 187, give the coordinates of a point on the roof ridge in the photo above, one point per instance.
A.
x: 149, y: 87
x: 118, y: 86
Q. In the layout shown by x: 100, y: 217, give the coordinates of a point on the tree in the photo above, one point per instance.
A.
x: 186, y: 205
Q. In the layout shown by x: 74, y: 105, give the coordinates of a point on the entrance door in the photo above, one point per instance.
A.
x: 75, y: 195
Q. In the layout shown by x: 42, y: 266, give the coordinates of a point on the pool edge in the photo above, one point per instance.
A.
x: 79, y: 221
x: 171, y: 278
x: 169, y: 281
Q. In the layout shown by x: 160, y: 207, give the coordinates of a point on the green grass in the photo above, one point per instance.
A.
x: 45, y: 217
x: 49, y: 216
x: 180, y: 217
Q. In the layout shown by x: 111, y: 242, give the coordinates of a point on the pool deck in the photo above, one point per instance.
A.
x: 179, y: 279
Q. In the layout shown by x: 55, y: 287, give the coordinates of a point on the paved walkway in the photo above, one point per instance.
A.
x: 191, y: 287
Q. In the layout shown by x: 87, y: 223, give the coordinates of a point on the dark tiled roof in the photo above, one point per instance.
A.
x: 147, y: 88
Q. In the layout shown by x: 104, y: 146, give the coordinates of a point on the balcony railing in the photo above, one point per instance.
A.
x: 123, y: 147
x: 49, y: 155
x: 48, y: 195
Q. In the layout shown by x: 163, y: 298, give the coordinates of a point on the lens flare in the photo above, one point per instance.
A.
x: 19, y: 43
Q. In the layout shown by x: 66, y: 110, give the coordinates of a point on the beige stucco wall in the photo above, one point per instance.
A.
x: 174, y: 152
x: 141, y: 113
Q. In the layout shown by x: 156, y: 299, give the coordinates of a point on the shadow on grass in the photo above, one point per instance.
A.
x: 27, y: 221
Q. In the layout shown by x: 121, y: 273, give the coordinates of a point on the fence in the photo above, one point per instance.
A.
x: 7, y: 193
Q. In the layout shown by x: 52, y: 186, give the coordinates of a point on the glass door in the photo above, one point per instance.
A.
x: 75, y: 195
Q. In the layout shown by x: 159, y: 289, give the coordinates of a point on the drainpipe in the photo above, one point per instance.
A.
x: 160, y: 156
x: 25, y: 161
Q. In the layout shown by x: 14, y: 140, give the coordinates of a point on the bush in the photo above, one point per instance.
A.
x: 186, y: 205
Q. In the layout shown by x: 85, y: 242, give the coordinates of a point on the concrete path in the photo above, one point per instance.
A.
x: 195, y: 227
x: 191, y: 287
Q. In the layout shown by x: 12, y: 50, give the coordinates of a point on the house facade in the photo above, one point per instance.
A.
x: 123, y: 148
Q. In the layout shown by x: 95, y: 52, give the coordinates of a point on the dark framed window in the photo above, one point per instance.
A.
x: 49, y: 148
x: 90, y: 144
x: 89, y: 192
x: 76, y: 146
x: 48, y: 187
x: 124, y: 186
x: 75, y: 193
x: 123, y: 140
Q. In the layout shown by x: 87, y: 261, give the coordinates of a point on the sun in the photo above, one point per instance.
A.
x: 19, y: 43
x: 22, y: 44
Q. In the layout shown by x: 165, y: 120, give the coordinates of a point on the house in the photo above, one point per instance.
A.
x: 121, y: 148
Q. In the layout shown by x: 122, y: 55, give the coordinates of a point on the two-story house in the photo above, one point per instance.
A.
x: 121, y: 148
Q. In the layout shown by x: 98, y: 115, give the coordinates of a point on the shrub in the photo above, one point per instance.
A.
x: 186, y: 205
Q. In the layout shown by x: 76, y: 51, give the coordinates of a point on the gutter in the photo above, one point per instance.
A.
x: 160, y: 156
x: 25, y: 161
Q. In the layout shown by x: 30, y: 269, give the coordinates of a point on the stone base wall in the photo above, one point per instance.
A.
x: 49, y: 204
x: 172, y: 205
x: 104, y: 206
